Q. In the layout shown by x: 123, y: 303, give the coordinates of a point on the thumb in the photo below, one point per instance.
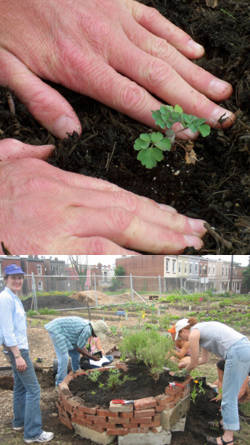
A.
x: 43, y: 101
x: 13, y: 149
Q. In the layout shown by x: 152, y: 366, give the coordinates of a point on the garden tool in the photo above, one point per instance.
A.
x: 122, y: 402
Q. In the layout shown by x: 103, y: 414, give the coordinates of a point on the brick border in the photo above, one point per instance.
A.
x: 141, y: 417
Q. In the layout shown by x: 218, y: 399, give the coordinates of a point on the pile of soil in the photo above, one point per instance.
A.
x: 52, y: 302
x: 217, y: 187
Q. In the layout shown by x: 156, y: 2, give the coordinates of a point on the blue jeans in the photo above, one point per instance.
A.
x: 26, y: 398
x: 63, y: 358
x: 237, y: 367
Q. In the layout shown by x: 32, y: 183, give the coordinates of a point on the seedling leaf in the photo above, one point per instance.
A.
x: 204, y: 130
x: 150, y: 157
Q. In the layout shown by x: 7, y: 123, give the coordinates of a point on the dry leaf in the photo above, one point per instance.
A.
x: 190, y: 157
x: 212, y: 3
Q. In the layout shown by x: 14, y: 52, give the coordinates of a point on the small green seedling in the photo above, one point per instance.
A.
x: 151, y: 146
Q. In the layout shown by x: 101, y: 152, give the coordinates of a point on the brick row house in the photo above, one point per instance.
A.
x: 187, y: 272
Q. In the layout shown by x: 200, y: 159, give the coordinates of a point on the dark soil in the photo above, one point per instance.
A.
x: 217, y: 187
x: 142, y: 385
x: 53, y: 302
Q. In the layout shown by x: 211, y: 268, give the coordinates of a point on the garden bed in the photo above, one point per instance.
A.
x: 156, y: 409
x: 217, y: 187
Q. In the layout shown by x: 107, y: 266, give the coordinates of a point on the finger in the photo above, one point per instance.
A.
x: 196, y: 76
x: 44, y: 103
x: 128, y: 231
x: 163, y: 81
x: 158, y: 25
x: 144, y: 209
x: 93, y: 245
x: 111, y: 88
x: 13, y: 149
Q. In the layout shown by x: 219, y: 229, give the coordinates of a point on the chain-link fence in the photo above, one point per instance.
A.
x: 70, y: 292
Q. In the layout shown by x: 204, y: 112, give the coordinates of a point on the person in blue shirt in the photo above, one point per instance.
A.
x: 13, y: 335
x: 70, y: 336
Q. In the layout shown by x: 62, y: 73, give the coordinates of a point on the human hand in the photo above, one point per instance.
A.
x: 121, y: 53
x: 21, y: 364
x: 44, y: 209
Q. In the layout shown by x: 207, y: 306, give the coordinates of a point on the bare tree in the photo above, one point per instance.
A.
x: 79, y: 264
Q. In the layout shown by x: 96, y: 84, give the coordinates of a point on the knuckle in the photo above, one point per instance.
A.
x: 150, y: 15
x: 120, y: 219
x: 96, y: 245
x: 128, y: 200
x: 158, y: 73
x: 132, y: 96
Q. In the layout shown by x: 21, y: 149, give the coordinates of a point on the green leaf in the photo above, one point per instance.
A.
x: 204, y: 130
x: 164, y: 145
x: 150, y: 157
x: 145, y: 137
x: 156, y: 137
x: 178, y: 109
x: 139, y: 144
x: 158, y: 119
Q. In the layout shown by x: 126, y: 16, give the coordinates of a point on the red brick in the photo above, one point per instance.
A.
x: 144, y: 429
x: 146, y: 402
x: 87, y: 410
x: 144, y: 413
x: 103, y: 412
x: 90, y: 417
x: 113, y: 414
x: 66, y: 422
x: 133, y: 429
x: 118, y: 421
x: 145, y: 420
x: 97, y: 419
x: 127, y: 415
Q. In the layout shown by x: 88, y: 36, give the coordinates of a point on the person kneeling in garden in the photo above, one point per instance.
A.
x: 69, y: 336
x: 225, y: 342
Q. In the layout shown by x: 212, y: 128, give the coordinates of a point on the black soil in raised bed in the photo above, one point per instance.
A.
x: 217, y: 187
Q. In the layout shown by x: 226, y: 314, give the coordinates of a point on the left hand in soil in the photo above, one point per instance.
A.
x: 121, y: 53
x: 63, y: 212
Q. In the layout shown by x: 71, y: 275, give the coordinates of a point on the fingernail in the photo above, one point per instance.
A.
x: 218, y: 86
x: 64, y: 125
x: 220, y: 115
x: 198, y: 49
x: 197, y: 226
x: 193, y: 241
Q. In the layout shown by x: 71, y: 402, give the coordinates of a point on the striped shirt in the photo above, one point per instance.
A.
x: 13, y: 325
x: 69, y: 332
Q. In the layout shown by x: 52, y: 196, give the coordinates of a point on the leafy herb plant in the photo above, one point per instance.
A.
x: 151, y: 146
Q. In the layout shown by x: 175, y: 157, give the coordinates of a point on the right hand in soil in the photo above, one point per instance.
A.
x: 121, y: 53
x: 44, y: 209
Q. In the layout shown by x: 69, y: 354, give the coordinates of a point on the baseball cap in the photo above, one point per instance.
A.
x: 13, y: 269
x: 183, y: 323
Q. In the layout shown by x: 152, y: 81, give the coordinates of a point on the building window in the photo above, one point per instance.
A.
x: 196, y: 267
x: 39, y: 269
x: 40, y: 285
x: 179, y: 267
x: 186, y: 267
x: 167, y: 265
x: 190, y: 268
x: 174, y: 266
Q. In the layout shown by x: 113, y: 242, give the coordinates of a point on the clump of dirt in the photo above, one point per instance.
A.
x: 52, y: 302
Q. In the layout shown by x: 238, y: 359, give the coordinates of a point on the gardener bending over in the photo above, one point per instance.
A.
x: 70, y: 336
x: 13, y: 335
x: 225, y: 342
x: 129, y: 57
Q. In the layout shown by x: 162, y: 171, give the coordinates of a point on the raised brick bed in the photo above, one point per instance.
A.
x: 147, y: 421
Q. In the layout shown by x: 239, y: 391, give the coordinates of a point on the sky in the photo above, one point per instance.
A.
x: 110, y: 259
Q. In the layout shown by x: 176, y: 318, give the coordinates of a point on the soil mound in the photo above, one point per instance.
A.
x: 52, y: 302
